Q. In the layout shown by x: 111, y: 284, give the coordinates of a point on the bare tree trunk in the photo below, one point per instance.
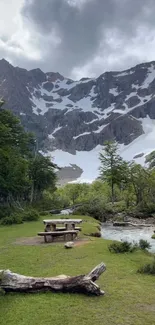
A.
x: 12, y: 282
x: 112, y: 192
x: 32, y: 192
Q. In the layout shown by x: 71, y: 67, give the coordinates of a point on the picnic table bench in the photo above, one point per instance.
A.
x: 53, y: 234
x: 69, y: 228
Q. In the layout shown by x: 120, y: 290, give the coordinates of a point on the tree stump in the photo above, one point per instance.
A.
x: 12, y: 282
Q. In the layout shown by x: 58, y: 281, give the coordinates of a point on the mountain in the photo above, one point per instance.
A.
x: 72, y: 119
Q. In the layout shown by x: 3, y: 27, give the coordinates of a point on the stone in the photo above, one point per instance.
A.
x: 69, y: 244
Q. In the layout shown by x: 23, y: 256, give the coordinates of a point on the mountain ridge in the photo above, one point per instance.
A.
x: 78, y: 116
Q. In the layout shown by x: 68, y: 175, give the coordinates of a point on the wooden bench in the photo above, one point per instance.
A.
x: 52, y: 234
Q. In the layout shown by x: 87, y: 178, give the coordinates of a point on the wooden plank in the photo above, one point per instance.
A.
x: 62, y: 221
x: 54, y: 234
x: 48, y: 228
x: 60, y: 228
x: 57, y: 233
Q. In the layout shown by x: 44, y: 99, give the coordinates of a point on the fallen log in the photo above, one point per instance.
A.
x: 127, y: 223
x: 12, y: 282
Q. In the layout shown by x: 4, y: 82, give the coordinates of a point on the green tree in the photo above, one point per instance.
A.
x: 112, y: 168
x: 12, y: 134
x: 139, y: 180
x: 42, y: 176
x: 73, y: 192
x: 24, y: 173
x: 15, y: 148
x: 150, y: 159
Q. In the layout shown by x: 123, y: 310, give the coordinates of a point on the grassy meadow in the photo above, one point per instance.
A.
x: 129, y: 297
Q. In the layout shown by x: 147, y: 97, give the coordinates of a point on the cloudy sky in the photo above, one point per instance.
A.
x: 77, y: 37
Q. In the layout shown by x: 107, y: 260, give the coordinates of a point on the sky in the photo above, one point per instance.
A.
x: 77, y: 38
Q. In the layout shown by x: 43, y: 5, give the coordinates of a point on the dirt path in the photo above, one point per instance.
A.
x: 36, y: 241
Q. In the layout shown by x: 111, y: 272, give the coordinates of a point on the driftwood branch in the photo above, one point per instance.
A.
x: 12, y: 282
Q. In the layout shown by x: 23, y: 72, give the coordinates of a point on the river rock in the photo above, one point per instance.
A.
x: 69, y: 244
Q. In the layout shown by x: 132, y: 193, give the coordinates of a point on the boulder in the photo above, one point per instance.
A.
x: 69, y: 244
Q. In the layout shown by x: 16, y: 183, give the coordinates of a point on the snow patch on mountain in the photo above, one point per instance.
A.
x: 150, y: 77
x: 143, y: 100
x: 50, y: 136
x: 57, y: 129
x: 89, y: 162
x: 114, y: 91
x: 124, y: 73
x: 131, y: 95
x: 134, y: 86
x: 108, y: 110
x: 80, y: 135
x: 92, y: 93
x: 100, y: 128
x: 143, y: 144
x: 39, y: 105
x: 94, y: 120
x: 85, y: 104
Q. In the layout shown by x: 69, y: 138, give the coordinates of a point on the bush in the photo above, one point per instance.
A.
x: 12, y: 219
x: 95, y: 208
x: 30, y: 215
x: 117, y: 207
x: 121, y: 247
x: 96, y: 234
x: 148, y: 268
x: 144, y: 244
x: 19, y: 217
x: 5, y: 212
x: 81, y: 210
x: 153, y: 236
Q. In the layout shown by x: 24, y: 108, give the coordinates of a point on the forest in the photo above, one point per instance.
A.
x: 24, y: 172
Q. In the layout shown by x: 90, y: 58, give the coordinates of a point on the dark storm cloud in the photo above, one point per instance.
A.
x: 83, y: 29
x: 79, y: 37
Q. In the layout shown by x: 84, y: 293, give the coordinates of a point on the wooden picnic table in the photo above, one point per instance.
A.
x: 68, y: 228
x: 68, y: 224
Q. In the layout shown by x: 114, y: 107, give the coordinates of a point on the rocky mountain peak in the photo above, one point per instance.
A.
x: 54, y: 76
x: 5, y: 67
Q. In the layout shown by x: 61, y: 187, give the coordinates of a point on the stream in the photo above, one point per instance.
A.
x: 129, y: 233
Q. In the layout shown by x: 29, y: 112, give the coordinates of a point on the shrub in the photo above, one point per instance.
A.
x: 19, y: 217
x: 148, y: 268
x: 144, y: 244
x: 153, y: 236
x: 30, y: 215
x: 116, y: 207
x: 81, y: 211
x: 5, y: 212
x: 45, y: 213
x: 121, y: 247
x: 96, y: 234
x: 12, y: 219
x: 94, y: 208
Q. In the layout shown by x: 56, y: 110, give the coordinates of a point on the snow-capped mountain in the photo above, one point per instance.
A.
x: 72, y: 119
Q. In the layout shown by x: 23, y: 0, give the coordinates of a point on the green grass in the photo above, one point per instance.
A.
x: 129, y: 299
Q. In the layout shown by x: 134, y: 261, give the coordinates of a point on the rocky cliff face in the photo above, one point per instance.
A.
x: 80, y: 115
